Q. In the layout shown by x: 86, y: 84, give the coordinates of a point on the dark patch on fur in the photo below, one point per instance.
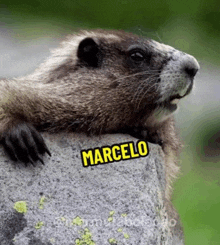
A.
x: 11, y: 224
x: 114, y: 84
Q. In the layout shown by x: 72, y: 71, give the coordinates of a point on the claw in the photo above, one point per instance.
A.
x: 41, y: 160
x: 31, y: 161
x: 47, y: 150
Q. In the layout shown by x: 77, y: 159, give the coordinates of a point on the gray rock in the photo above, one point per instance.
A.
x: 116, y: 203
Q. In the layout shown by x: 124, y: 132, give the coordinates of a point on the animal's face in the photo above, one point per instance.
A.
x: 121, y: 73
x: 148, y: 72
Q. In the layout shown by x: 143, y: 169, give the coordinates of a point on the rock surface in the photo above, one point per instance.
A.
x: 116, y: 203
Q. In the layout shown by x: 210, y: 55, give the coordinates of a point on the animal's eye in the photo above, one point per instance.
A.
x: 137, y: 56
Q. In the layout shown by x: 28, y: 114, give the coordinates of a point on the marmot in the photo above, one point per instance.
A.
x: 98, y: 82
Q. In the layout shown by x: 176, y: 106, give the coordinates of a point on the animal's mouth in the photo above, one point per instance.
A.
x: 171, y: 103
x: 173, y: 100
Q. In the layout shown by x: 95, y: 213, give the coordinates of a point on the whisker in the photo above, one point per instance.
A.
x: 144, y: 96
x: 153, y: 72
x: 141, y: 98
x: 141, y: 85
x: 136, y: 74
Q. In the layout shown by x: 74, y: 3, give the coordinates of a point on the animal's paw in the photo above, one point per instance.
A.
x: 24, y: 143
x: 147, y: 134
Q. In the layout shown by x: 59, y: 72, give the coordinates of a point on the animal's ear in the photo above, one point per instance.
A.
x: 89, y: 52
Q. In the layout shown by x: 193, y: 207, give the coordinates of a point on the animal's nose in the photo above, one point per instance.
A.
x: 191, y: 71
x: 190, y: 65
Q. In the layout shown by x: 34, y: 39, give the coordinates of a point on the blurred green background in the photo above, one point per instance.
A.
x: 191, y: 26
